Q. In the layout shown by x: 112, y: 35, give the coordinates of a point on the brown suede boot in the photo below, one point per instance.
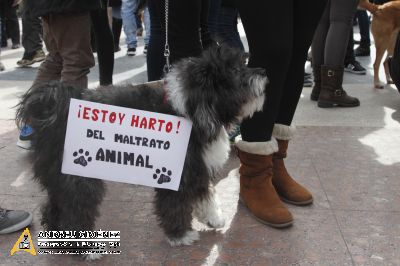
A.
x: 288, y: 189
x: 317, y: 83
x: 256, y: 189
x: 332, y: 93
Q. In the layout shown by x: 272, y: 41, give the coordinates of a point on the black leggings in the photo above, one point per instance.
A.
x: 104, y: 44
x: 279, y: 34
x: 332, y: 35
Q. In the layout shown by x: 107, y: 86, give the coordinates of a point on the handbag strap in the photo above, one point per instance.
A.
x: 167, y: 67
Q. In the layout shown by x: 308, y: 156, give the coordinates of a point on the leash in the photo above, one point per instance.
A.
x: 167, y: 53
x: 167, y: 67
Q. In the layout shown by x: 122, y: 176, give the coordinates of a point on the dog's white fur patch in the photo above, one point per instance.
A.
x: 283, y: 132
x: 175, y: 92
x: 260, y: 148
x: 208, y: 210
x: 91, y: 257
x: 187, y: 239
x: 216, y: 153
x: 257, y: 84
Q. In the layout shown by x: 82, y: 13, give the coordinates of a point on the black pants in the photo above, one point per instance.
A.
x: 31, y: 32
x: 10, y: 25
x: 185, y: 20
x: 332, y: 36
x: 279, y: 34
x: 350, y: 57
x: 104, y: 44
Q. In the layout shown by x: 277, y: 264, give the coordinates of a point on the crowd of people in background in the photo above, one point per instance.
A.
x: 73, y: 29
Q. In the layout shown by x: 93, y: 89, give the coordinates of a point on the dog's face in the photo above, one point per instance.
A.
x: 216, y: 89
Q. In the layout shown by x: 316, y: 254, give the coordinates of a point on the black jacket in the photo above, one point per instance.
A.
x: 38, y: 8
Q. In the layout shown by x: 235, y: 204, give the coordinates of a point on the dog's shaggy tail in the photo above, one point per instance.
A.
x: 45, y: 107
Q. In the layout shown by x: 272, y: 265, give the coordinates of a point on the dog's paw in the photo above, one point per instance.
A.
x: 187, y: 239
x: 91, y: 257
x: 379, y: 85
x: 211, y: 217
x: 216, y: 221
x: 208, y: 212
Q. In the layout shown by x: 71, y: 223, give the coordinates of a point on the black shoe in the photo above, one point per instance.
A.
x: 362, y: 51
x: 355, y: 68
x: 11, y: 221
x: 145, y: 49
x: 15, y: 46
x: 131, y: 52
x: 38, y: 56
x: 307, y: 82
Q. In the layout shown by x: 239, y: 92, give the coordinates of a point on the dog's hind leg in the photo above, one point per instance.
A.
x: 390, y: 51
x: 381, y: 47
x: 80, y: 198
x: 50, y: 214
x: 208, y: 211
x: 77, y: 200
x: 174, y: 211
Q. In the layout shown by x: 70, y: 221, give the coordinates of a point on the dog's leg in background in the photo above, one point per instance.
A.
x: 174, y: 211
x: 208, y: 211
x: 380, y: 51
x: 390, y: 51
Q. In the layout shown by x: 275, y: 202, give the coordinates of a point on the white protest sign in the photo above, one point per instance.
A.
x: 125, y: 145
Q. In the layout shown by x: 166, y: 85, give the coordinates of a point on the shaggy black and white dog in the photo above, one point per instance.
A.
x: 214, y: 91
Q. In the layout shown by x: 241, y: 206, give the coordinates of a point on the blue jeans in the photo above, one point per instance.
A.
x: 146, y: 26
x: 128, y: 9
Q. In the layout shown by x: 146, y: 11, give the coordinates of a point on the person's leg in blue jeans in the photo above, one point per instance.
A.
x: 128, y: 9
x: 147, y: 28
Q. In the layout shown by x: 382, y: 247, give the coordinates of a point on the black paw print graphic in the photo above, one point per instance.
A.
x: 163, y: 175
x: 83, y: 158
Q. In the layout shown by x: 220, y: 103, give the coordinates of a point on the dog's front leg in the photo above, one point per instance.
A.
x: 208, y: 210
x: 174, y: 211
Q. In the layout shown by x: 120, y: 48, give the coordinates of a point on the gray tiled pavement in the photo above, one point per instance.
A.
x: 349, y: 158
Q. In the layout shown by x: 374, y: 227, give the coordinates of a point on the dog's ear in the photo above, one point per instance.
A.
x: 205, y: 121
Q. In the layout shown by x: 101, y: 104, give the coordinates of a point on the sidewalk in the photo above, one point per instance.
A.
x: 349, y: 158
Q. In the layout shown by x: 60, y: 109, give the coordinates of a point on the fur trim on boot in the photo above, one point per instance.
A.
x: 260, y: 148
x: 283, y: 132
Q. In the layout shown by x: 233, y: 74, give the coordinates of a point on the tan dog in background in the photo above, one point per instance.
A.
x: 385, y: 26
